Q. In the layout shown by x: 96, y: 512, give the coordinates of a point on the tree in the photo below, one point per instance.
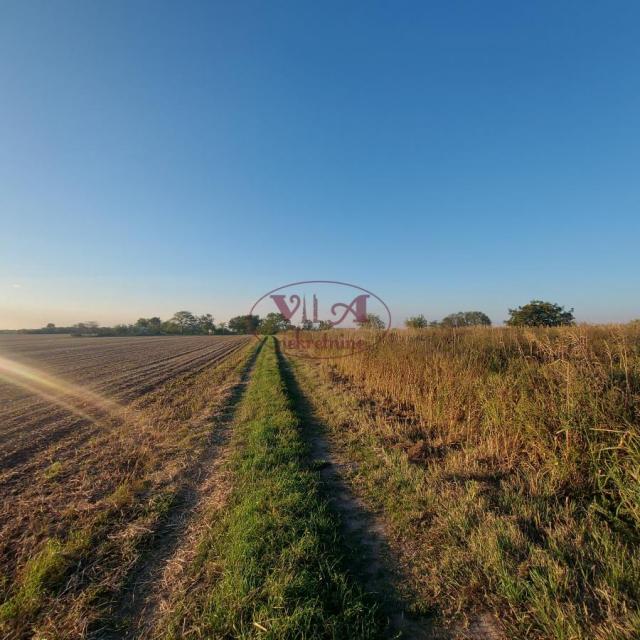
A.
x: 185, y: 320
x: 90, y: 326
x: 273, y: 323
x: 170, y: 327
x: 244, y: 324
x: 141, y: 326
x: 416, y: 322
x: 540, y: 314
x: 205, y: 323
x: 122, y: 330
x: 466, y: 319
x: 154, y: 325
x: 222, y: 328
x: 372, y: 322
x: 147, y: 326
x: 325, y: 325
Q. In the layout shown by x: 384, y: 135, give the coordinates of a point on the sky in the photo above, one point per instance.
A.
x: 448, y: 156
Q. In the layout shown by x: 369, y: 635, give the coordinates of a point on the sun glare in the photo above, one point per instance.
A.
x: 75, y: 398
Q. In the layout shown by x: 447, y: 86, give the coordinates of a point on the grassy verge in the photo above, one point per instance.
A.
x: 270, y: 565
x: 381, y: 477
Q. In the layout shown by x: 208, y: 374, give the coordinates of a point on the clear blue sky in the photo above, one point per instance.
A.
x: 156, y: 156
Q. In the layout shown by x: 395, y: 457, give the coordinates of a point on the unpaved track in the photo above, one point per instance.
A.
x: 152, y: 581
x: 378, y: 564
x: 364, y: 532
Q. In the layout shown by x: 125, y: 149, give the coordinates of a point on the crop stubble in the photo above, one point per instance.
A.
x: 59, y: 471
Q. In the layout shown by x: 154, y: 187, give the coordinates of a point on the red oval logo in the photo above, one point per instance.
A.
x: 319, y: 318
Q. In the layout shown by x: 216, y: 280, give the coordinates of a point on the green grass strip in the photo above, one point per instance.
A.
x: 272, y: 560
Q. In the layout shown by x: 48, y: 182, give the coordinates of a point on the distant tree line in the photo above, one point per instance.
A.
x: 536, y: 313
x: 181, y: 323
x: 459, y: 319
x: 271, y: 324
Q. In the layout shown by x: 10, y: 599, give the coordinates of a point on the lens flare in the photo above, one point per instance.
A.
x: 75, y: 398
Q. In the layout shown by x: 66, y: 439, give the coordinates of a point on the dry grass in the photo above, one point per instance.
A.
x: 77, y: 529
x: 504, y: 463
x: 508, y: 462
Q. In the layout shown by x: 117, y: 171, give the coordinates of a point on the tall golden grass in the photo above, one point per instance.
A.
x: 530, y: 440
x: 565, y: 401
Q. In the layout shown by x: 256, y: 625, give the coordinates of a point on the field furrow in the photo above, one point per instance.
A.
x: 91, y: 493
x: 25, y: 434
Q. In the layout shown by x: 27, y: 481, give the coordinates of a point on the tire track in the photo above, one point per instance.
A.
x: 373, y: 554
x: 148, y: 461
x: 150, y: 582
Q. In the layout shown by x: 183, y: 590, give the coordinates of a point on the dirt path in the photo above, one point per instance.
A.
x: 375, y: 560
x: 366, y: 535
x: 363, y: 530
x: 155, y: 575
